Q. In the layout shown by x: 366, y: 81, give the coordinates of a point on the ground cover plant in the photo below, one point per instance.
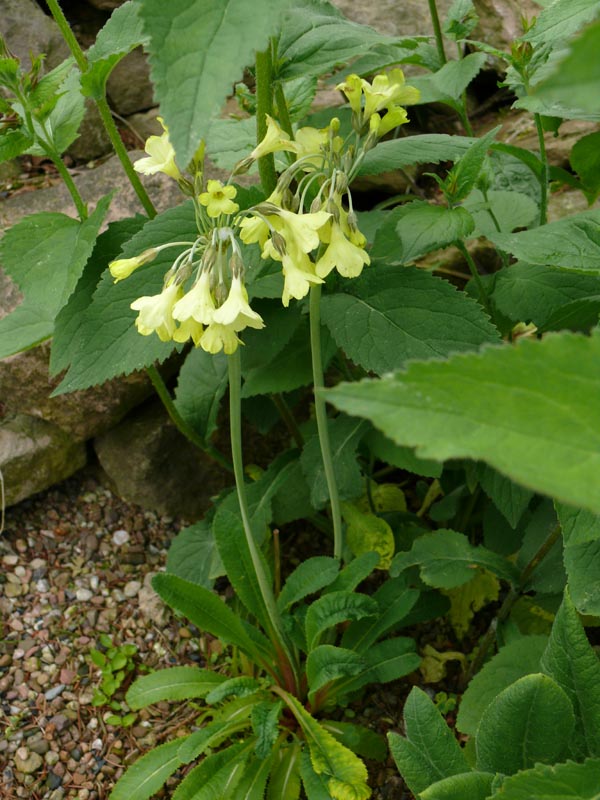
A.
x: 444, y: 429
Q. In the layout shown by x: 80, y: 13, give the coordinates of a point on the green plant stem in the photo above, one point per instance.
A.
x: 287, y: 416
x: 510, y: 599
x: 180, y: 423
x: 321, y: 414
x: 476, y: 277
x: 103, y: 108
x: 264, y: 106
x: 545, y: 176
x: 439, y: 39
x: 266, y: 591
x: 70, y: 184
x: 282, y: 110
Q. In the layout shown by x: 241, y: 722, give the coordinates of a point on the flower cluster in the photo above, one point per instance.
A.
x: 307, y: 223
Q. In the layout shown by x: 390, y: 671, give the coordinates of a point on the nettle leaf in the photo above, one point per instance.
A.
x: 580, y: 781
x: 570, y: 660
x: 366, y: 533
x: 326, y: 663
x: 201, y: 384
x: 543, y: 432
x: 474, y: 785
x: 331, y: 609
x: 581, y: 538
x: 146, y: 776
x: 572, y: 243
x: 448, y: 83
x: 310, y: 576
x: 425, y: 148
x: 198, y: 49
x: 429, y: 752
x: 447, y: 559
x: 345, y: 434
x: 579, y: 315
x: 510, y: 209
x: 415, y: 229
x: 392, y: 314
x: 515, y: 660
x: 175, y: 683
x: 508, y: 497
x: 585, y: 160
x: 563, y: 19
x: 45, y: 255
x: 109, y: 342
x: 533, y: 293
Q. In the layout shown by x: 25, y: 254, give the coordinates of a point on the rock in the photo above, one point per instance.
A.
x: 519, y: 129
x: 146, y: 123
x: 84, y: 595
x: 151, y: 606
x: 150, y: 463
x: 128, y: 88
x: 27, y: 29
x: 120, y: 537
x: 132, y: 588
x: 27, y: 762
x: 55, y: 691
x: 93, y: 140
x: 35, y: 454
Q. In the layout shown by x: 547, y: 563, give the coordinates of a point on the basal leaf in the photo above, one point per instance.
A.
x: 508, y: 497
x: 395, y: 601
x: 471, y: 597
x: 402, y: 457
x: 285, y: 774
x: 239, y: 687
x: 265, y: 723
x: 175, y: 683
x: 310, y: 576
x: 549, y: 576
x: 393, y: 314
x: 200, y: 386
x: 474, y: 785
x: 146, y: 775
x: 581, y: 538
x: 198, y: 49
x: 333, y: 608
x: 354, y: 573
x: 386, y: 661
x: 362, y: 741
x: 560, y: 782
x: 253, y: 782
x: 216, y: 775
x: 326, y: 663
x: 544, y: 429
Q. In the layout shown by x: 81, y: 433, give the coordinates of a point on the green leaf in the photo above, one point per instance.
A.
x: 394, y: 314
x: 344, y: 434
x: 110, y: 345
x: 513, y: 661
x: 448, y: 83
x: 570, y: 660
x: 581, y: 538
x: 228, y: 141
x: 425, y: 148
x: 254, y: 780
x: 216, y: 775
x: 429, y: 752
x: 464, y: 174
x: 362, y: 741
x: 366, y: 532
x: 285, y: 773
x: 146, y: 775
x: 529, y: 722
x: 585, y: 160
x: 327, y: 663
x: 207, y: 612
x: 193, y: 555
x: 175, y: 683
x: 315, y: 786
x: 386, y: 661
x: 238, y: 687
x: 402, y: 457
x: 510, y: 209
x: 543, y: 433
x: 474, y: 785
x: 198, y: 49
x: 561, y: 782
x: 395, y: 601
x: 561, y: 21
x: 549, y: 576
x: 45, y: 255
x: 333, y: 608
x: 354, y: 573
x: 216, y: 732
x: 345, y: 774
x: 508, y: 497
x: 579, y: 316
x: 310, y: 576
x: 265, y: 723
x: 415, y: 229
x: 571, y: 243
x: 447, y: 559
x: 200, y: 386
x: 13, y: 142
x: 63, y: 121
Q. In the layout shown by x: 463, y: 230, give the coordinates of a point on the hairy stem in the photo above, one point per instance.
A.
x: 545, y: 176
x: 321, y: 414
x: 439, y: 39
x: 264, y: 106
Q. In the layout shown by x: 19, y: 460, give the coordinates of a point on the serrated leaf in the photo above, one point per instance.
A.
x: 529, y: 722
x: 392, y: 314
x: 510, y: 209
x: 362, y: 741
x: 327, y: 663
x: 447, y: 559
x: 45, y: 255
x: 310, y: 576
x: 395, y: 601
x: 560, y: 782
x: 333, y: 608
x: 216, y: 775
x: 219, y: 40
x: 238, y: 687
x: 366, y: 533
x: 193, y: 555
x: 424, y: 148
x: 175, y: 683
x: 13, y: 142
x: 513, y: 661
x: 570, y: 660
x: 474, y: 785
x: 543, y: 433
x: 508, y: 497
x: 563, y: 19
x: 581, y: 538
x: 146, y: 775
x: 63, y: 121
x: 200, y: 386
x: 429, y: 752
x: 212, y: 735
x: 468, y: 599
x: 253, y: 782
x: 265, y: 723
x: 464, y: 174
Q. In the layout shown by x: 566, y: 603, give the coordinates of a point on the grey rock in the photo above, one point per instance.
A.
x: 129, y: 88
x: 92, y: 141
x: 145, y: 124
x: 35, y: 454
x: 55, y: 691
x: 27, y: 29
x: 27, y: 762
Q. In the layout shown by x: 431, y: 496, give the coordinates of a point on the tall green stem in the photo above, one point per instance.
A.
x: 103, y: 108
x: 321, y: 414
x: 70, y: 184
x: 264, y: 106
x: 476, y: 277
x: 439, y: 39
x: 545, y: 176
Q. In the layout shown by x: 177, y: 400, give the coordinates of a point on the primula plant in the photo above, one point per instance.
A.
x: 457, y: 465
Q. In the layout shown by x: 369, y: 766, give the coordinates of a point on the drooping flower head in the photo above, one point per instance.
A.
x: 156, y: 312
x: 161, y: 156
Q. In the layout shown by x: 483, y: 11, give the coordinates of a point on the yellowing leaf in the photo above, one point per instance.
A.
x: 433, y: 665
x: 368, y: 533
x: 468, y: 599
x: 385, y: 497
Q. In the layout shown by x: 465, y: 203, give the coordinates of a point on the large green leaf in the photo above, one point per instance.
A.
x: 253, y: 782
x: 215, y: 776
x: 326, y: 663
x: 508, y: 497
x: 386, y: 661
x: 513, y: 661
x: 425, y: 148
x: 561, y: 782
x: 529, y: 722
x: 581, y: 538
x: 175, y: 683
x: 448, y: 83
x: 395, y: 601
x: 200, y: 386
x: 310, y: 576
x: 285, y: 774
x: 333, y: 608
x: 392, y: 314
x: 509, y: 210
x: 570, y: 660
x: 193, y: 555
x: 148, y: 773
x: 563, y: 19
x: 198, y: 49
x: 429, y: 752
x: 472, y: 785
x: 45, y: 255
x: 543, y: 430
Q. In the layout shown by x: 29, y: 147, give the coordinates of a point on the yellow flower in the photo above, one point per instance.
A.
x: 395, y: 117
x: 197, y: 304
x: 341, y: 253
x: 275, y: 139
x: 161, y: 156
x: 235, y: 313
x: 352, y: 88
x: 219, y: 337
x: 218, y: 199
x: 254, y: 229
x: 123, y: 267
x: 300, y: 231
x: 298, y: 272
x: 187, y: 329
x: 156, y: 312
x: 388, y: 90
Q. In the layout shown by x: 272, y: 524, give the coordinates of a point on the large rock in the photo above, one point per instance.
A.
x: 35, y: 454
x: 27, y: 29
x: 93, y: 140
x: 129, y: 89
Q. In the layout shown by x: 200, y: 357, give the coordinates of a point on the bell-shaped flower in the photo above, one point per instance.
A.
x: 298, y: 273
x: 123, y: 267
x: 218, y: 199
x: 352, y: 87
x: 341, y: 253
x: 189, y: 329
x: 254, y: 229
x: 300, y: 231
x: 197, y: 304
x: 274, y: 140
x: 219, y: 337
x: 388, y: 90
x: 161, y: 156
x: 235, y: 313
x: 156, y: 312
x: 312, y: 144
x: 395, y: 117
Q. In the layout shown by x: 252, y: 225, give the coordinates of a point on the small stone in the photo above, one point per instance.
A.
x: 27, y: 762
x: 12, y: 589
x: 52, y: 694
x: 76, y: 753
x: 120, y: 537
x: 132, y: 588
x: 57, y: 794
x: 40, y: 747
x: 42, y: 586
x: 38, y: 563
x: 84, y: 595
x: 10, y: 560
x: 20, y: 572
x: 94, y: 582
x: 51, y: 758
x: 97, y: 744
x: 53, y: 781
x: 60, y: 721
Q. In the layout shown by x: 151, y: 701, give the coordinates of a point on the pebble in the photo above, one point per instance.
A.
x: 132, y: 588
x: 42, y: 586
x: 27, y: 762
x: 83, y: 595
x: 53, y: 781
x: 51, y: 758
x: 12, y: 589
x: 10, y: 560
x: 120, y: 537
x: 55, y: 691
